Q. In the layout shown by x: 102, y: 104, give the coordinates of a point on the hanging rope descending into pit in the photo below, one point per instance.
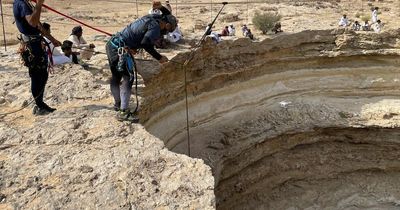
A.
x: 187, y: 61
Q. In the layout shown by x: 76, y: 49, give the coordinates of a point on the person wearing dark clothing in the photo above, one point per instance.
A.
x: 277, y: 28
x: 33, y: 54
x: 225, y: 31
x: 141, y: 34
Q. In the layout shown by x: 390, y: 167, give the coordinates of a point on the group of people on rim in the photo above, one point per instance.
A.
x: 36, y: 51
x: 375, y: 25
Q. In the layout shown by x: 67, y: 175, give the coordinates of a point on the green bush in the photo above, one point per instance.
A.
x: 265, y: 21
x: 365, y: 17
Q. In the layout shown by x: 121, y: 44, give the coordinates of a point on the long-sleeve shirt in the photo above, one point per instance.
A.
x: 142, y: 34
x: 343, y: 22
x: 374, y: 16
x: 56, y: 51
x: 78, y: 42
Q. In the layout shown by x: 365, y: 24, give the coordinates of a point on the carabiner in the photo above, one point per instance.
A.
x: 120, y: 51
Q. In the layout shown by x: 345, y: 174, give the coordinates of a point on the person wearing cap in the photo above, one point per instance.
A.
x: 158, y: 9
x: 140, y: 34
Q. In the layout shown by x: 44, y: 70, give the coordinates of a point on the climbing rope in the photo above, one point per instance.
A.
x: 188, y: 59
x: 76, y: 20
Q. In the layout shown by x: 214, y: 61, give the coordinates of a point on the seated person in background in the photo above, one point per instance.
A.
x: 356, y: 26
x: 249, y: 34
x: 377, y: 27
x: 244, y: 29
x: 57, y: 55
x: 231, y: 30
x: 225, y: 31
x: 47, y: 30
x: 215, y: 37
x: 159, y: 9
x: 85, y: 49
x: 277, y: 28
x: 208, y: 29
x: 66, y: 47
x: 175, y: 36
x: 344, y: 22
x: 366, y: 26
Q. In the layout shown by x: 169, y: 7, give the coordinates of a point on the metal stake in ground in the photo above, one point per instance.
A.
x: 190, y: 57
x: 2, y: 21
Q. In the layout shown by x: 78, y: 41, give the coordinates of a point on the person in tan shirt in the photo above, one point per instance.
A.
x: 80, y: 45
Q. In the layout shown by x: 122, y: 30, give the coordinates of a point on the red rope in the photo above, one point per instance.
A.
x: 71, y: 18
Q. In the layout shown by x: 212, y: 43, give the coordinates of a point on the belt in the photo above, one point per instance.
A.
x: 31, y: 38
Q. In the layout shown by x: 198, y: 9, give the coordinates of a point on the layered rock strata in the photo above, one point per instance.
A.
x: 305, y: 120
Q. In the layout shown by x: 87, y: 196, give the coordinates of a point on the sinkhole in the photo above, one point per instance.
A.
x: 286, y: 128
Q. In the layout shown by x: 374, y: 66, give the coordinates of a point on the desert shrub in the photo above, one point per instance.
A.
x: 265, y: 21
x: 365, y: 17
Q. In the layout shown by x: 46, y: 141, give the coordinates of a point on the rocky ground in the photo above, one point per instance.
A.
x: 81, y: 156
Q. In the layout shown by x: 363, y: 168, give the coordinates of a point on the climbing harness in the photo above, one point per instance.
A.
x: 26, y: 51
x: 126, y: 61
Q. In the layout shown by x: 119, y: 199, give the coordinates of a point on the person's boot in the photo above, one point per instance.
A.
x: 49, y: 109
x: 39, y: 111
x: 116, y: 106
x: 126, y: 115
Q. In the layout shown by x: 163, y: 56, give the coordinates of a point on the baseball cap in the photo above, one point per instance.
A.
x: 171, y: 20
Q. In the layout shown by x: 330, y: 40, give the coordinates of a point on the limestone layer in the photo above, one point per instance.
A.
x: 306, y: 120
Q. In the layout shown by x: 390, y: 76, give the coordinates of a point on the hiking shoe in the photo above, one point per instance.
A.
x: 39, y: 111
x: 49, y: 109
x: 116, y: 106
x: 126, y: 115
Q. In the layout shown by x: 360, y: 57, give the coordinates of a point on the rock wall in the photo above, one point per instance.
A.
x: 289, y: 121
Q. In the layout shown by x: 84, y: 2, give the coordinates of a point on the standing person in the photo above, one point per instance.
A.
x: 375, y: 15
x: 85, y: 50
x: 34, y: 55
x: 141, y: 34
